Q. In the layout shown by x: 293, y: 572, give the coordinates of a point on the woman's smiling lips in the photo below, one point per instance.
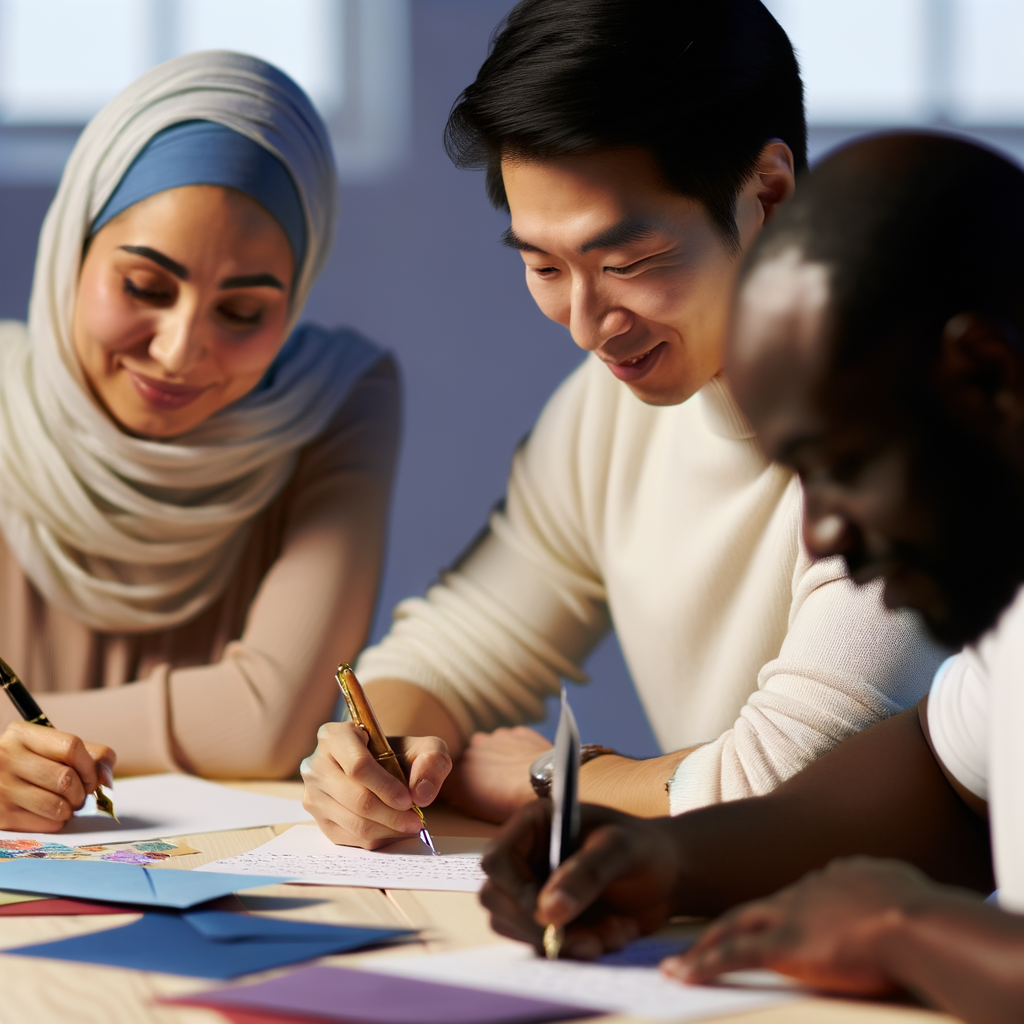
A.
x: 163, y: 394
x: 632, y: 370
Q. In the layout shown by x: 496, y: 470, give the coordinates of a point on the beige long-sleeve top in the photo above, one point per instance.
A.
x: 669, y: 524
x: 240, y: 690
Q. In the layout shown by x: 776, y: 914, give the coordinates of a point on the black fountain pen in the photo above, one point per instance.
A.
x: 33, y: 714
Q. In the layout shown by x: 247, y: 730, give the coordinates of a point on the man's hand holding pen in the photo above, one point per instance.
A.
x: 45, y: 776
x: 619, y: 884
x: 355, y: 801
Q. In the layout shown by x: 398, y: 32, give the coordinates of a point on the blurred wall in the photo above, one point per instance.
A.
x: 418, y: 267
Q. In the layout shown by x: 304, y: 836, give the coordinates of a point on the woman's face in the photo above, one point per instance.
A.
x: 181, y: 307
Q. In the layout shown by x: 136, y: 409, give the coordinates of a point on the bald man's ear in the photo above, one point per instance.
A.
x: 776, y: 176
x: 980, y: 374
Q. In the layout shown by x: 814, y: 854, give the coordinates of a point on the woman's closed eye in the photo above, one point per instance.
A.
x: 147, y: 292
x: 241, y: 313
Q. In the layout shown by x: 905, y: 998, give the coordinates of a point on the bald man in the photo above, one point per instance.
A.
x: 877, y: 351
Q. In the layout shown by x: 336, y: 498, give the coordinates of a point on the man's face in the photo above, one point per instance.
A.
x: 892, y: 482
x: 638, y: 274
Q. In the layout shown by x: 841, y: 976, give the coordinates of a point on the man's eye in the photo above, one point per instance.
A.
x: 545, y: 270
x: 148, y: 294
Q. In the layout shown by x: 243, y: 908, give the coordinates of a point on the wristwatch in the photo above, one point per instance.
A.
x: 543, y: 768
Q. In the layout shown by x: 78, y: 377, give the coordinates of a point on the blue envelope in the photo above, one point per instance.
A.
x: 209, y: 943
x: 123, y: 883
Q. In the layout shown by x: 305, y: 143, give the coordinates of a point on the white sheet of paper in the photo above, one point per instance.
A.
x: 637, y: 991
x: 307, y: 855
x: 158, y: 806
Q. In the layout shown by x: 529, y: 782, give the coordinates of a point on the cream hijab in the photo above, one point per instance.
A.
x: 134, y: 535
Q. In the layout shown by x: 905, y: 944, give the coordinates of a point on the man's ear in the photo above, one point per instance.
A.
x: 776, y: 176
x: 981, y: 372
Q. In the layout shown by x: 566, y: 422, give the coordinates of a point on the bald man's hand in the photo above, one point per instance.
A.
x: 621, y: 883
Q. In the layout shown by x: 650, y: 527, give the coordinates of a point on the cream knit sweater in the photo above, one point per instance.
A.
x: 668, y: 525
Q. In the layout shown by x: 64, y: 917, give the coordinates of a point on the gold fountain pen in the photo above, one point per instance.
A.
x: 377, y: 743
x: 32, y: 713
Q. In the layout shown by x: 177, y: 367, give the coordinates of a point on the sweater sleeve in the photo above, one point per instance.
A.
x: 523, y: 607
x: 846, y: 663
x: 255, y: 712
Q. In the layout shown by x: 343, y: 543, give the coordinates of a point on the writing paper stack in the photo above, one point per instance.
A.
x: 512, y: 968
x: 306, y: 855
x: 354, y: 997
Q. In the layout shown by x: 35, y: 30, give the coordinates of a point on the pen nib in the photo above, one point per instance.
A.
x: 553, y: 939
x: 104, y: 804
x: 427, y: 841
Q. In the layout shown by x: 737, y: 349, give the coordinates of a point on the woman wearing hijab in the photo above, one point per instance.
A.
x: 194, y: 491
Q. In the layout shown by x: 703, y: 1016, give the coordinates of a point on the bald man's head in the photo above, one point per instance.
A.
x: 877, y: 350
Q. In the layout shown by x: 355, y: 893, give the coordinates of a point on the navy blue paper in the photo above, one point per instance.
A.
x: 209, y: 944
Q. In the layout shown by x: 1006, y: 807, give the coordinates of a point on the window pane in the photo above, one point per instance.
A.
x: 863, y: 61
x: 302, y: 37
x: 989, y: 78
x: 61, y: 60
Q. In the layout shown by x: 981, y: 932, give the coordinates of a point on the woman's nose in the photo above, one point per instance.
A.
x: 827, y: 534
x: 178, y: 345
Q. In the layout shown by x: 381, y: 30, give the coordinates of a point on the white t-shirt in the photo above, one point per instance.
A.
x: 976, y: 721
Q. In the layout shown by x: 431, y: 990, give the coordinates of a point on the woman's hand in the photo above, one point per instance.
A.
x: 492, y: 778
x: 355, y: 801
x: 621, y: 883
x: 45, y: 776
x: 826, y: 930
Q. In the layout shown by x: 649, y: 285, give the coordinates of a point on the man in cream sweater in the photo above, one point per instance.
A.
x: 639, y: 145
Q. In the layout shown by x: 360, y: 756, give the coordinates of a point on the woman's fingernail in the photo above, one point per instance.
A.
x: 424, y: 791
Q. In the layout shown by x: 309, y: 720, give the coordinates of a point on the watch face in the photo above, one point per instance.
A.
x: 544, y: 767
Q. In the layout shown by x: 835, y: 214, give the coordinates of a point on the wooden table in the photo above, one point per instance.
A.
x: 34, y: 991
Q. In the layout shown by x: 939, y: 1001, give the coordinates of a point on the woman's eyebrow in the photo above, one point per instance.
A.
x: 252, y: 281
x: 158, y: 257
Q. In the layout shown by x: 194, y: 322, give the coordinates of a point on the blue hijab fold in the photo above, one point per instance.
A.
x: 207, y: 153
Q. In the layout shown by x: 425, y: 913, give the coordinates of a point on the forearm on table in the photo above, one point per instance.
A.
x: 636, y: 787
x: 405, y: 709
x: 881, y: 793
x: 957, y: 954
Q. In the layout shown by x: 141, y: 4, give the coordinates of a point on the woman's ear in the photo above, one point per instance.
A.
x: 981, y: 373
x: 776, y: 176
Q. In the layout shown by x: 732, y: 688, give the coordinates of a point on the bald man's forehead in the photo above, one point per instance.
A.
x: 784, y: 301
x: 779, y: 342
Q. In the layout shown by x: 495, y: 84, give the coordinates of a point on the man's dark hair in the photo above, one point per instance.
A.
x: 702, y: 85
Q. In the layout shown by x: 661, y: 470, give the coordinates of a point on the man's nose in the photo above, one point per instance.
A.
x: 593, y: 319
x: 828, y: 533
x: 178, y: 344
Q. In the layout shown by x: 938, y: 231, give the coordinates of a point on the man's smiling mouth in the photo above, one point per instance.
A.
x: 633, y: 369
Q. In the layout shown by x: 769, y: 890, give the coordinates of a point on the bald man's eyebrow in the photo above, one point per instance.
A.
x: 252, y: 281
x: 632, y: 229
x: 513, y: 241
x: 159, y: 258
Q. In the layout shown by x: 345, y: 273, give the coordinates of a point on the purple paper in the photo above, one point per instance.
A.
x: 361, y: 997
